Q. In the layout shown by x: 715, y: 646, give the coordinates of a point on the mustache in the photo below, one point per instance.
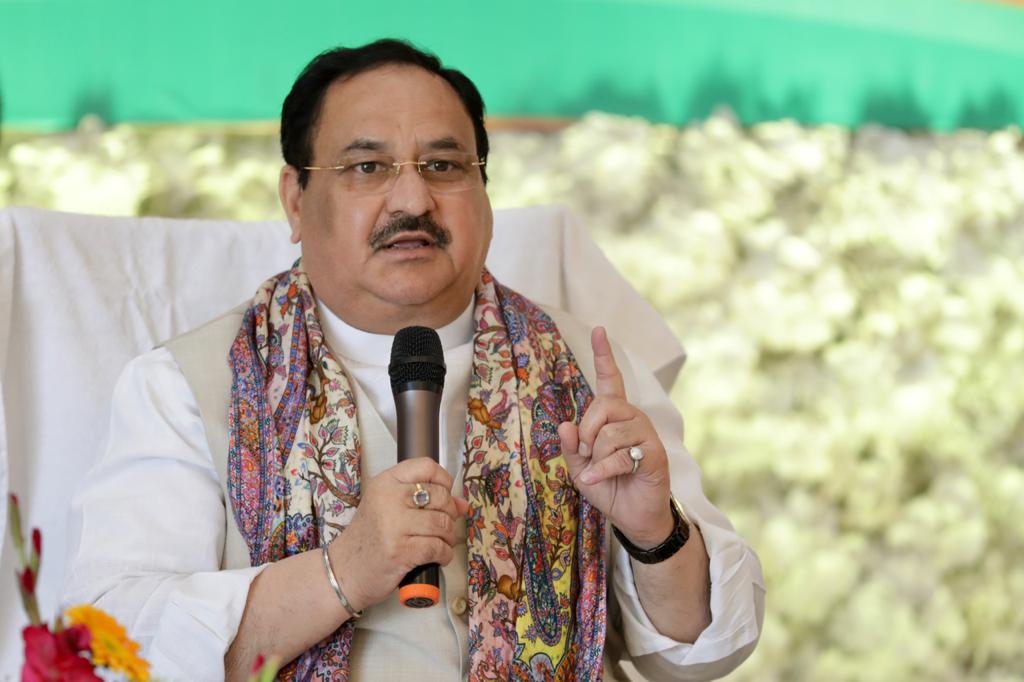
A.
x: 410, y: 223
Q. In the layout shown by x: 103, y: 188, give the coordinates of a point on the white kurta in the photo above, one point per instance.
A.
x: 149, y: 523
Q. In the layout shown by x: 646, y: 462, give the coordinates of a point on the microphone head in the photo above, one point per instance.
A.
x: 416, y: 357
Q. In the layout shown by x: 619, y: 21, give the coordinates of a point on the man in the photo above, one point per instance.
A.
x: 267, y: 514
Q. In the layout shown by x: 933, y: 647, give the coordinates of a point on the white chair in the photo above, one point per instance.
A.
x: 81, y: 295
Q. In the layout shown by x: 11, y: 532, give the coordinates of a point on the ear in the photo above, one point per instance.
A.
x: 290, y: 193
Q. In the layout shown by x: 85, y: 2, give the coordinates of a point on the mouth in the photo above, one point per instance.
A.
x: 408, y: 241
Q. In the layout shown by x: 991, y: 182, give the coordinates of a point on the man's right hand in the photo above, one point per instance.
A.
x: 389, y: 536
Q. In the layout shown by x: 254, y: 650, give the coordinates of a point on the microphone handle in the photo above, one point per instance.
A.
x: 418, y: 410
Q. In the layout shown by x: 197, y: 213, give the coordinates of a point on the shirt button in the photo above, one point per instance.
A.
x: 459, y: 605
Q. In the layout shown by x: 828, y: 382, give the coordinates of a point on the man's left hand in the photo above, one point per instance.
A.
x: 597, y: 452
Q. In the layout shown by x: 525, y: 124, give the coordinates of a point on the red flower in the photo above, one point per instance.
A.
x: 28, y: 581
x: 78, y: 637
x: 37, y: 541
x: 50, y: 656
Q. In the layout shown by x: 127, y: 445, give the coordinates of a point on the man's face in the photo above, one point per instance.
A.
x: 383, y: 284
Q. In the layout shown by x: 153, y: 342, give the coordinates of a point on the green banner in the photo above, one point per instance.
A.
x: 937, y: 64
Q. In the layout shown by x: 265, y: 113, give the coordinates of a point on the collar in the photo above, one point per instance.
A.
x: 375, y: 349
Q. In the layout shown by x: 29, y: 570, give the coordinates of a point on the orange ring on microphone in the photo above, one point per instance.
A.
x: 419, y: 596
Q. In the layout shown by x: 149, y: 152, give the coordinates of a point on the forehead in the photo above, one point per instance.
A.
x: 400, y: 106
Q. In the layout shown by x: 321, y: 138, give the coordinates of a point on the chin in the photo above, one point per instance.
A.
x: 431, y: 301
x: 412, y: 291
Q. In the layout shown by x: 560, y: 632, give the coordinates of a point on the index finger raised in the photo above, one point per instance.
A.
x: 609, y: 378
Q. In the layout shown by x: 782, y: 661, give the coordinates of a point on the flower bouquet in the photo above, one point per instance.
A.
x: 84, y: 639
x: 78, y: 643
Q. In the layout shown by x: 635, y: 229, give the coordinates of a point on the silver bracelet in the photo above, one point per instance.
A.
x: 356, y: 615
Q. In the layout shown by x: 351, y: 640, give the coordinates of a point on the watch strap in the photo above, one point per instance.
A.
x: 672, y: 544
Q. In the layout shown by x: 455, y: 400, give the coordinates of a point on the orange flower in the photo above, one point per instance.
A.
x: 110, y: 644
x: 479, y: 411
x: 508, y: 586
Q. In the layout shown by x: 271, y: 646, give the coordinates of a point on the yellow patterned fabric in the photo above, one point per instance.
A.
x: 537, y: 580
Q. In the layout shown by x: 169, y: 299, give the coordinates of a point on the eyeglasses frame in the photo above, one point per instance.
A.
x: 397, y: 165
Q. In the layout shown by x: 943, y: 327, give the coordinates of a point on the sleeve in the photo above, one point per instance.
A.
x: 148, y: 527
x: 737, y: 582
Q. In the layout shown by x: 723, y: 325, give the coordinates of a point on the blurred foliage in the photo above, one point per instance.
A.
x: 852, y: 305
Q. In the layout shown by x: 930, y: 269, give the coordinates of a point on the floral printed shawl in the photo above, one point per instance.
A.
x: 537, y: 582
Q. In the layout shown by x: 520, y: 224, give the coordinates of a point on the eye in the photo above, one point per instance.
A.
x: 442, y: 166
x: 368, y: 167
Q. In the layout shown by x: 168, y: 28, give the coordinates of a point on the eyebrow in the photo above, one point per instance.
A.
x: 364, y: 144
x: 371, y: 145
x: 444, y: 143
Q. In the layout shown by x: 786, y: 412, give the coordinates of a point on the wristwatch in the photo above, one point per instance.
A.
x: 672, y: 544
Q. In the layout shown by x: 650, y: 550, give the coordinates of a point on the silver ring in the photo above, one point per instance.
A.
x: 420, y: 496
x: 636, y: 453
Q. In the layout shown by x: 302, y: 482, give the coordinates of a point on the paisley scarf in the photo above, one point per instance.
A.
x: 537, y: 581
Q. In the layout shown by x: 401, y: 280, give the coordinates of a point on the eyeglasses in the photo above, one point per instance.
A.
x: 376, y: 174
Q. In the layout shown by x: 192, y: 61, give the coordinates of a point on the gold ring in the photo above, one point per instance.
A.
x: 420, y: 496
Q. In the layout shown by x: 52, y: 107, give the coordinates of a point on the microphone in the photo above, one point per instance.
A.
x: 417, y: 378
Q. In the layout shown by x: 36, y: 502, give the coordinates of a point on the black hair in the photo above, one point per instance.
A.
x: 301, y: 109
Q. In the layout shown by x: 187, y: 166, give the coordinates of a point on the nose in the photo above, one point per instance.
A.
x: 410, y: 193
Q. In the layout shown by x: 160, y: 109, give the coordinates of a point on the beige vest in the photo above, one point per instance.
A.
x: 392, y: 642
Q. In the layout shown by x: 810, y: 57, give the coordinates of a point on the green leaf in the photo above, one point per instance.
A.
x: 14, y: 522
